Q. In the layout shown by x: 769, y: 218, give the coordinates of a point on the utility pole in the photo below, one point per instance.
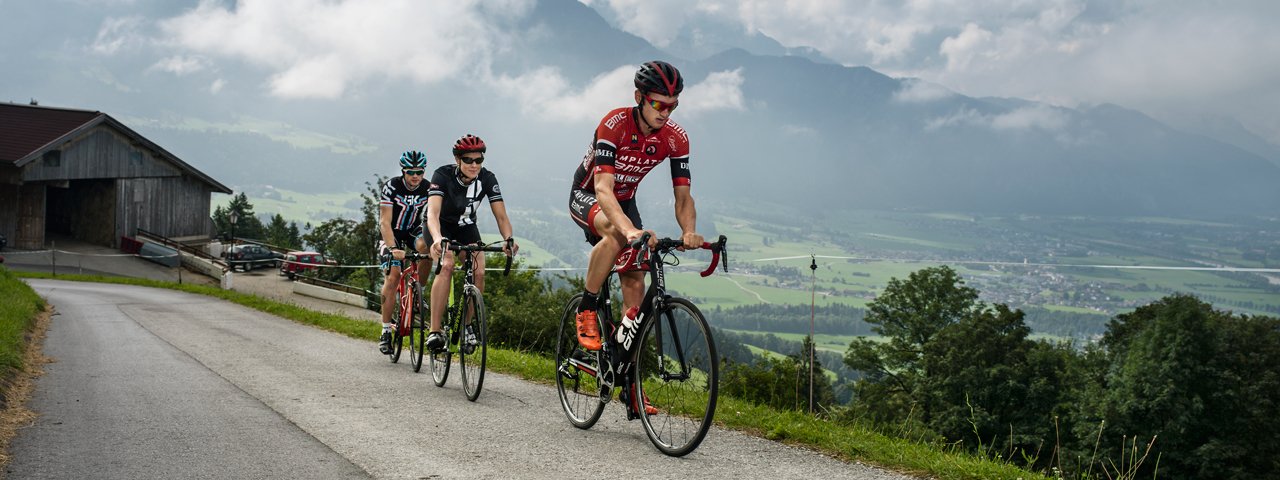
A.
x: 813, y: 299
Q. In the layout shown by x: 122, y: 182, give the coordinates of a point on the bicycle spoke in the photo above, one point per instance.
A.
x: 679, y: 375
x: 576, y: 371
x: 472, y: 346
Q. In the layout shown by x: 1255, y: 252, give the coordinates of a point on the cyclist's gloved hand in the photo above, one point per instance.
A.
x: 397, y: 254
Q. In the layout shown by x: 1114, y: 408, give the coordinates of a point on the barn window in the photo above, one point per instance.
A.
x: 135, y: 158
x: 53, y: 158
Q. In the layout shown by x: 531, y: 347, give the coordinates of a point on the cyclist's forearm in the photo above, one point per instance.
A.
x: 384, y: 229
x: 686, y: 213
x: 434, y: 204
x: 609, y: 203
x: 504, y: 222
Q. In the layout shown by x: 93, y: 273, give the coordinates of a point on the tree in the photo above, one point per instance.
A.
x: 989, y: 385
x: 351, y: 242
x: 1204, y: 384
x: 281, y: 234
x: 960, y: 369
x: 908, y: 314
x: 248, y: 225
x: 823, y: 394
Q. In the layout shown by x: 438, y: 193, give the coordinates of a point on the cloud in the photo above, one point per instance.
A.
x: 1041, y: 117
x: 104, y: 76
x: 919, y: 91
x: 545, y: 93
x: 321, y: 49
x: 118, y: 34
x: 720, y: 91
x: 961, y: 49
x: 658, y: 21
x: 1037, y: 117
x: 1170, y: 58
x: 181, y: 65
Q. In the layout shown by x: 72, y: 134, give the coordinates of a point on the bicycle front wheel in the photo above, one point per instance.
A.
x: 418, y: 334
x: 397, y: 340
x: 472, y: 349
x: 439, y: 361
x: 678, y: 373
x: 576, y: 372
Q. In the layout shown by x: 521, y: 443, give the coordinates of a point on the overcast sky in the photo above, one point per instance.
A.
x: 1173, y: 59
x: 1180, y: 61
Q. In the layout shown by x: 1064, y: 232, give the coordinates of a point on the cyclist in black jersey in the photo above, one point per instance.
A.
x: 400, y: 222
x: 454, y: 197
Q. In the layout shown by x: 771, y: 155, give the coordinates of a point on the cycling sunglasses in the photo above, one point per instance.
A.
x: 471, y: 161
x: 661, y: 105
x: 414, y: 172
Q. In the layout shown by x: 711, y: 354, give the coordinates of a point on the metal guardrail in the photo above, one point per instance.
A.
x: 166, y: 241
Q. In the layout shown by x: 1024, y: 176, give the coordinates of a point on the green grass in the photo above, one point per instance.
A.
x: 17, y: 317
x: 851, y: 442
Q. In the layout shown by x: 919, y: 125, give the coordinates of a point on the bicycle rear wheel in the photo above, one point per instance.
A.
x: 472, y: 352
x: 576, y: 371
x: 678, y: 373
x: 418, y: 334
x: 439, y: 361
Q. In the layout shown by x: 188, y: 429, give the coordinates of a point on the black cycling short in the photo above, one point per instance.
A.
x: 583, y: 208
x: 404, y: 241
x: 461, y: 235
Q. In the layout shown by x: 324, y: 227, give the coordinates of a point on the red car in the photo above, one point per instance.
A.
x: 295, y: 263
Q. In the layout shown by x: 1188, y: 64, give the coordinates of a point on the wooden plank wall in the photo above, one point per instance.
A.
x: 169, y: 206
x: 9, y: 211
x: 30, y: 234
x: 101, y: 153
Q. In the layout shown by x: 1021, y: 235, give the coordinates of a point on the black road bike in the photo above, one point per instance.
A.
x: 671, y: 364
x: 465, y: 322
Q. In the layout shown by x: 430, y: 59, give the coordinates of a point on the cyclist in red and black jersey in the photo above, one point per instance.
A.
x: 628, y: 143
x: 400, y: 207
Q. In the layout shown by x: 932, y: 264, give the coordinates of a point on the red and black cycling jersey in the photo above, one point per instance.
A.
x: 407, y: 206
x: 619, y: 148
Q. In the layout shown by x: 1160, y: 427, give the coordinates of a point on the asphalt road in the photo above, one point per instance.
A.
x: 151, y: 383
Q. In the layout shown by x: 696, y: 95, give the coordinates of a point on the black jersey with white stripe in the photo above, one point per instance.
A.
x: 462, y: 199
x: 407, y: 205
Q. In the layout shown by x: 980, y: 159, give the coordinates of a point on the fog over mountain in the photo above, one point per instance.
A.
x: 784, y: 124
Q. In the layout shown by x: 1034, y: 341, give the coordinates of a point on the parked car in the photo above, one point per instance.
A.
x: 295, y: 263
x: 250, y: 256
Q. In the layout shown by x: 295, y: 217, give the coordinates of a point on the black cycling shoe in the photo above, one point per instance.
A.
x: 384, y: 343
x: 435, y: 341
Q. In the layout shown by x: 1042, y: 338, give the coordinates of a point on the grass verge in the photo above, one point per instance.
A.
x: 23, y: 318
x: 850, y: 443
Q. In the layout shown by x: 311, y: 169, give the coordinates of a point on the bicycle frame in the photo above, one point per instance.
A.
x: 406, y: 293
x: 468, y: 267
x: 621, y: 358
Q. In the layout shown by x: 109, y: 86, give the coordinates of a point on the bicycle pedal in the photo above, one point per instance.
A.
x: 606, y: 394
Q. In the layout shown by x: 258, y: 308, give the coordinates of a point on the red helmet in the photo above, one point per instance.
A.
x: 468, y: 144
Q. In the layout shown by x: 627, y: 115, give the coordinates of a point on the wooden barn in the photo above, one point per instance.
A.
x: 86, y: 175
